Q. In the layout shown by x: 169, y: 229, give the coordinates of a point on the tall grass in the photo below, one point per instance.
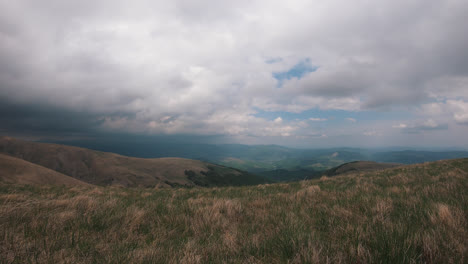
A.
x: 414, y: 214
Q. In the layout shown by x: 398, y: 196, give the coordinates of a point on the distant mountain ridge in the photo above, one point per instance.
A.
x: 264, y: 158
x: 103, y: 168
x: 417, y: 156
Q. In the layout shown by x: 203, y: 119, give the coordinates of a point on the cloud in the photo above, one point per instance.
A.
x: 432, y: 109
x: 44, y: 120
x: 460, y: 111
x: 278, y: 120
x: 371, y: 133
x: 401, y: 125
x: 427, y: 125
x: 350, y: 119
x: 317, y: 119
x: 205, y: 67
x: 446, y: 109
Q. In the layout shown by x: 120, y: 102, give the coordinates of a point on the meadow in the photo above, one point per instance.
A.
x: 411, y: 214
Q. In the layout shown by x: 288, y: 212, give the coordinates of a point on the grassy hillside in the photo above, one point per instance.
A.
x: 102, y: 168
x: 411, y: 214
x: 282, y: 175
x: 14, y: 170
x: 359, y: 166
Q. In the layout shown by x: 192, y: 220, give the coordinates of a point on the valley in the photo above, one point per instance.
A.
x: 276, y: 163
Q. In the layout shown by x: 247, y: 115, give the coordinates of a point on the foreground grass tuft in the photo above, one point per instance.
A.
x: 415, y: 214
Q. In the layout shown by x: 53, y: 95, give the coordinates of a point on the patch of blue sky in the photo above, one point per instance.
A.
x: 297, y: 71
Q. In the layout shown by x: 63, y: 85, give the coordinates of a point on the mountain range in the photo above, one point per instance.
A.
x: 192, y: 164
x: 104, y: 168
x: 272, y: 161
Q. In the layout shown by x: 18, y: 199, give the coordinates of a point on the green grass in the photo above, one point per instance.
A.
x: 416, y: 214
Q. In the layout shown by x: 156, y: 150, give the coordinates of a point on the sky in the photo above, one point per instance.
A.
x: 294, y: 73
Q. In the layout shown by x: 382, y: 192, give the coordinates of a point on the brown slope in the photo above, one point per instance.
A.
x: 359, y: 166
x: 103, y: 168
x: 18, y: 171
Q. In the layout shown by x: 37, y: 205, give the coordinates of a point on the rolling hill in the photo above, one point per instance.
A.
x: 359, y: 166
x: 102, y: 168
x: 18, y: 171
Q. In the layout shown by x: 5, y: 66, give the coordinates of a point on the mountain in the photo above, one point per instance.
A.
x: 274, y: 162
x: 252, y: 158
x: 359, y: 166
x: 18, y: 171
x: 102, y: 168
x: 259, y: 158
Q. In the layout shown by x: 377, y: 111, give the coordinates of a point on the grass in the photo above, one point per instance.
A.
x: 415, y: 214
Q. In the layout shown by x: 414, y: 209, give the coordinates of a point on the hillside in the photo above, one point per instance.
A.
x: 409, y: 214
x: 18, y: 171
x: 359, y: 166
x: 101, y: 168
x: 281, y: 175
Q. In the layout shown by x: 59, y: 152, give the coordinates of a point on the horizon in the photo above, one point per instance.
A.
x: 89, y: 143
x: 299, y: 74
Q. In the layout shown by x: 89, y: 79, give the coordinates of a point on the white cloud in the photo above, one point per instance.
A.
x: 432, y: 109
x: 455, y: 109
x: 317, y: 119
x: 422, y: 126
x: 460, y: 110
x: 401, y: 125
x: 352, y: 120
x: 430, y: 123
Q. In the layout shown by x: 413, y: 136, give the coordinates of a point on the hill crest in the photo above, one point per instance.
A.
x: 359, y: 166
x: 103, y: 168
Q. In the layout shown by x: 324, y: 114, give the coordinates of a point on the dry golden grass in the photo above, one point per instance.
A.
x: 415, y: 214
x: 18, y: 171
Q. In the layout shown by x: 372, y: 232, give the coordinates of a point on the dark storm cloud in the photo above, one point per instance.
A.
x: 44, y: 120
